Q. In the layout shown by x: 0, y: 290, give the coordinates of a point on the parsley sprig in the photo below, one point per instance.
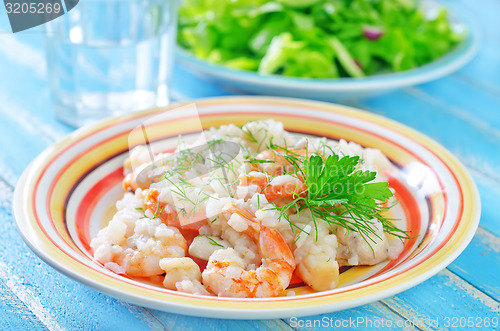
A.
x: 341, y: 194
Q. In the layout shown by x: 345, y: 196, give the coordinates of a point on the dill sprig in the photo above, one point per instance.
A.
x: 212, y: 241
x: 156, y: 214
x: 340, y: 194
x: 254, y: 160
x: 294, y: 158
x: 249, y: 136
x: 182, y: 195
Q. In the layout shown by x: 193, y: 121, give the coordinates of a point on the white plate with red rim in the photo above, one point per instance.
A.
x: 65, y: 193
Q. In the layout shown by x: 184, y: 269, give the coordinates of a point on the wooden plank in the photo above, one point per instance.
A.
x: 14, y: 314
x: 169, y: 321
x: 485, y: 68
x: 476, y: 146
x: 27, y: 125
x: 442, y: 298
x: 478, y: 149
x: 168, y: 318
x: 25, y: 50
x: 466, y: 98
x: 26, y: 147
x: 28, y: 101
x: 489, y: 191
x: 410, y: 304
x: 53, y: 298
x: 80, y: 307
x: 26, y: 305
x: 484, y: 85
x: 367, y: 317
x: 192, y: 87
x: 188, y: 323
x: 483, y: 254
x: 4, y: 23
x: 478, y: 254
x: 428, y: 306
x: 173, y: 321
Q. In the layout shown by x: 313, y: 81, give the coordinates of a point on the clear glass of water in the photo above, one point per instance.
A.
x: 109, y: 57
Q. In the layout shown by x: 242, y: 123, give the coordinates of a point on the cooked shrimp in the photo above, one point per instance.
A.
x: 161, y: 209
x: 142, y: 259
x: 284, y: 186
x: 133, y: 243
x: 169, y: 215
x: 272, y: 179
x: 140, y: 255
x: 226, y: 273
x: 278, y: 164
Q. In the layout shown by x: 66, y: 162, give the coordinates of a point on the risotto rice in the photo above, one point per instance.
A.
x: 240, y: 222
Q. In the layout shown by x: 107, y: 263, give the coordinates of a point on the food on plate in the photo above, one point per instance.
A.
x: 244, y: 211
x: 316, y: 38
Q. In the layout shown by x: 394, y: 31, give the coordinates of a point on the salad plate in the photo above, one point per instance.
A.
x: 68, y: 192
x: 338, y: 89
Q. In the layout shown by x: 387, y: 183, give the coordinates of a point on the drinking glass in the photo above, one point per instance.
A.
x: 109, y: 57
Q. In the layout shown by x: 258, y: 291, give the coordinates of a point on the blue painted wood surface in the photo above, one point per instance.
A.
x: 461, y: 111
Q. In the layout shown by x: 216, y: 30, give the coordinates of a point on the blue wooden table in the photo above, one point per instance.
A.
x: 461, y: 111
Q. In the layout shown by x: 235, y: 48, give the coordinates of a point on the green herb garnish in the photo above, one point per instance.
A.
x: 212, y: 241
x: 157, y: 213
x: 338, y: 193
x: 253, y: 161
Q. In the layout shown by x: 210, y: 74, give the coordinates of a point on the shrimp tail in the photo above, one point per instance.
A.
x: 278, y: 256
